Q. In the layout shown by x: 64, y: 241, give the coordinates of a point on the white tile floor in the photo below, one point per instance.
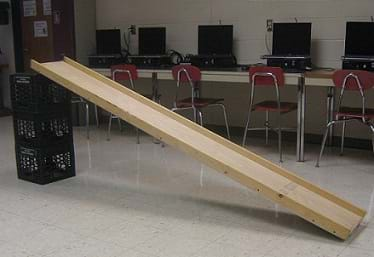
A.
x: 143, y: 200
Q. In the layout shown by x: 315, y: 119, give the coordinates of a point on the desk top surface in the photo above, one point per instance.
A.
x: 320, y: 78
x: 315, y: 74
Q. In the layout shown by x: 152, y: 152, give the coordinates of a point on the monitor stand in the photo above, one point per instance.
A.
x: 294, y: 64
x: 351, y: 62
x: 212, y: 61
x: 150, y: 60
x: 104, y: 61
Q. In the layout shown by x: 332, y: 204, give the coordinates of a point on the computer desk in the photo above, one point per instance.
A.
x: 318, y: 78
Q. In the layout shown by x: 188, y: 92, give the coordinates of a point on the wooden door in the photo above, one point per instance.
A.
x: 63, y: 28
x: 37, y: 31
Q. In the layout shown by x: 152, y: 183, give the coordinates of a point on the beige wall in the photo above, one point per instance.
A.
x: 85, y: 29
x: 249, y: 18
x: 6, y: 45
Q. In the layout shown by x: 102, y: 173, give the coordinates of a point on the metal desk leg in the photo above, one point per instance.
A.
x: 300, y: 120
x: 330, y: 113
x: 154, y: 86
x: 155, y: 99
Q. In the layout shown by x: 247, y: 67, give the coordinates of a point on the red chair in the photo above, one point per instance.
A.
x: 272, y: 77
x: 126, y: 72
x: 191, y: 75
x: 351, y: 80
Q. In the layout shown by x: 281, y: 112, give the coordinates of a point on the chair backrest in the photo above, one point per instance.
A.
x: 124, y: 72
x: 353, y: 79
x: 266, y: 76
x: 186, y: 73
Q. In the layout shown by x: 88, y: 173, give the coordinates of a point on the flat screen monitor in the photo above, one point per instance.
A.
x: 215, y: 39
x: 152, y: 41
x: 108, y: 41
x: 359, y: 39
x: 292, y: 39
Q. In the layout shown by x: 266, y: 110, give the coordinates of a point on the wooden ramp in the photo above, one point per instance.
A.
x: 308, y: 201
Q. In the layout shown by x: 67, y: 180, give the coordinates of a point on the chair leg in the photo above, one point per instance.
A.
x: 226, y: 122
x: 343, y: 137
x: 87, y: 120
x: 324, y: 143
x: 200, y: 117
x: 267, y: 127
x: 109, y: 126
x: 119, y: 124
x: 137, y: 136
x: 246, y: 127
x: 194, y: 114
x: 280, y: 140
x: 372, y: 140
x: 96, y: 116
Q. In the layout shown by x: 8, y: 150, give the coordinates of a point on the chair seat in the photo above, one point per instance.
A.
x: 199, y: 102
x: 272, y: 106
x: 351, y: 112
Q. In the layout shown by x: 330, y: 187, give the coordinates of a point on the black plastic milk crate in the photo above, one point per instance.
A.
x: 42, y: 129
x: 44, y: 165
x: 36, y: 93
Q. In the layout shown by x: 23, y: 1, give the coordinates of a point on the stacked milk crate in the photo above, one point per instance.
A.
x: 42, y: 129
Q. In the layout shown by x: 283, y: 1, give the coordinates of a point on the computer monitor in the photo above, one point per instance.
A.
x: 215, y: 40
x: 359, y: 39
x: 292, y: 39
x: 152, y: 41
x: 108, y: 42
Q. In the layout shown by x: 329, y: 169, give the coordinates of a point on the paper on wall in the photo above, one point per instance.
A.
x: 47, y: 7
x: 29, y: 8
x: 40, y: 29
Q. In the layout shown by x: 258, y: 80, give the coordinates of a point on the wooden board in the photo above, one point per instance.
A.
x: 310, y: 202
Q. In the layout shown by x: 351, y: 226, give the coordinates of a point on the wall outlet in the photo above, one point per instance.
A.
x: 132, y: 29
x: 269, y: 25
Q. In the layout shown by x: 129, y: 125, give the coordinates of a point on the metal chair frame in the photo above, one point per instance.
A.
x: 81, y: 100
x: 344, y: 119
x: 195, y: 94
x: 112, y: 116
x: 267, y: 125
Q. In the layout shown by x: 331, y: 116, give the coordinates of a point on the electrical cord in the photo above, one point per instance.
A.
x: 126, y: 50
x: 267, y: 34
x: 127, y: 40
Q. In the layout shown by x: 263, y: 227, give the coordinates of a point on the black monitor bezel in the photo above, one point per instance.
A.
x: 348, y: 50
x: 143, y: 43
x: 292, y: 52
x: 202, y: 49
x: 102, y: 47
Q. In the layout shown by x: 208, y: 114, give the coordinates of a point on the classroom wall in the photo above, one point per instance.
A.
x: 7, y: 47
x: 249, y: 19
x: 85, y: 29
